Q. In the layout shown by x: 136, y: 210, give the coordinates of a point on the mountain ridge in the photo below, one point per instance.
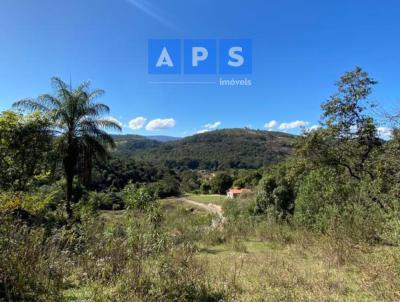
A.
x: 218, y: 149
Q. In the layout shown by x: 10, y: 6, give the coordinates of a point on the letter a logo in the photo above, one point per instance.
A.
x: 164, y: 56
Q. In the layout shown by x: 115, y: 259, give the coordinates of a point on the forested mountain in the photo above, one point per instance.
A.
x: 163, y: 138
x: 220, y: 149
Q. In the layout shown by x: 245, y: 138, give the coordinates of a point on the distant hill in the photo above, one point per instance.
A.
x: 163, y: 138
x: 219, y: 149
x: 129, y: 144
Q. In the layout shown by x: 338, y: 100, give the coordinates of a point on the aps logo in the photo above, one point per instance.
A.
x: 200, y: 56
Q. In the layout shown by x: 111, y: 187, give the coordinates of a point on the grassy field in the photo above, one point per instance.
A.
x: 209, y: 198
x: 275, y: 263
x: 267, y: 271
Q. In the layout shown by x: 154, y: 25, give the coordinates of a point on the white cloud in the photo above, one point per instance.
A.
x: 113, y: 119
x: 292, y: 125
x: 314, y: 127
x: 202, y: 131
x: 137, y: 123
x: 271, y: 124
x: 385, y: 132
x: 212, y: 126
x: 158, y: 124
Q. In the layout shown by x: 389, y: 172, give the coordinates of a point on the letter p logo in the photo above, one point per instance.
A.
x: 200, y: 56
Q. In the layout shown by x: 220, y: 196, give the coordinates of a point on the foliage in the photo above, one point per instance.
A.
x: 29, y: 266
x: 105, y: 201
x: 189, y: 181
x: 220, y: 183
x: 276, y: 191
x: 117, y: 172
x: 165, y: 187
x: 138, y: 198
x: 321, y: 190
x: 215, y: 150
x: 74, y: 115
x: 205, y: 188
x: 25, y: 149
x: 348, y: 138
x: 247, y: 178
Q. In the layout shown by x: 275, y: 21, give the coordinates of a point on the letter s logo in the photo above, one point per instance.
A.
x: 234, y: 54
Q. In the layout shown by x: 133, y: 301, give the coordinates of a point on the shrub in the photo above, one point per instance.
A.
x: 31, y: 266
x: 166, y: 187
x: 320, y: 194
x: 220, y: 183
x: 205, y: 188
x: 139, y: 198
x: 275, y: 195
x: 105, y: 201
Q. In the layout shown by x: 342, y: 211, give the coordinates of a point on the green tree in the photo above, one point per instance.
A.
x: 275, y: 196
x: 348, y: 137
x: 189, y: 181
x: 75, y: 117
x: 25, y: 145
x: 220, y: 183
x: 247, y: 178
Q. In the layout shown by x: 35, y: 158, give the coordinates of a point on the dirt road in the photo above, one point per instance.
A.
x: 211, y: 208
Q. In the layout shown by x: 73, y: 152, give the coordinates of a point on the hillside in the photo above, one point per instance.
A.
x: 163, y: 138
x: 226, y: 148
x: 129, y: 144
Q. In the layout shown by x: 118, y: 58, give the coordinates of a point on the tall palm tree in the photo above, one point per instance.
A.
x: 78, y: 125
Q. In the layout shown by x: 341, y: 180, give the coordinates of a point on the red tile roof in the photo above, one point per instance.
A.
x: 237, y: 190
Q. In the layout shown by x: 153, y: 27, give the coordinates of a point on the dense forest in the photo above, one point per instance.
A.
x: 216, y: 150
x: 90, y: 216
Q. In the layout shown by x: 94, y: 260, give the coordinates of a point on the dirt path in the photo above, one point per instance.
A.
x: 211, y: 208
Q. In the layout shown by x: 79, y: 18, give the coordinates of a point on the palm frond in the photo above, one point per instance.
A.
x: 96, y: 93
x: 51, y: 101
x: 30, y: 104
x: 97, y: 109
x: 83, y: 86
x: 109, y: 123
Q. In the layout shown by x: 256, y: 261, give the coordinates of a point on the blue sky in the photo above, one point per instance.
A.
x: 299, y: 49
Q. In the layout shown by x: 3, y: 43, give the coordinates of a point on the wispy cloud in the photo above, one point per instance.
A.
x: 212, y: 126
x: 137, y: 123
x: 159, y: 124
x: 271, y: 125
x: 152, y: 11
x: 292, y: 125
x: 314, y: 127
x: 202, y: 131
x: 209, y: 127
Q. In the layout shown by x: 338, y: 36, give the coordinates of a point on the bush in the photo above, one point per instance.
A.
x: 205, y: 188
x: 321, y: 194
x: 31, y: 266
x: 105, y: 201
x: 220, y: 183
x: 275, y: 195
x: 138, y: 198
x: 165, y: 187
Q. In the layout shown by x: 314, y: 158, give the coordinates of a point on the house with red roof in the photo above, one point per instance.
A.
x: 236, y: 192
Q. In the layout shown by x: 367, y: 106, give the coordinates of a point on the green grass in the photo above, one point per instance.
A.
x: 267, y: 271
x: 206, y: 199
x: 270, y: 263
